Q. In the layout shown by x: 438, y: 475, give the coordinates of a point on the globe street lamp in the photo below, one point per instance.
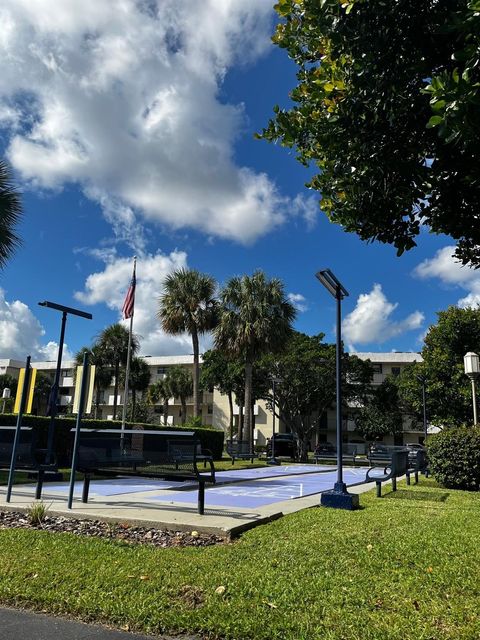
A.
x: 273, y: 460
x: 471, y: 363
x: 338, y: 498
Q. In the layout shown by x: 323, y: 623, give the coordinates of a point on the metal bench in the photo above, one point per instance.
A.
x: 239, y: 449
x: 30, y: 457
x: 417, y: 463
x: 395, y: 467
x: 143, y: 453
x: 180, y: 450
x: 329, y: 453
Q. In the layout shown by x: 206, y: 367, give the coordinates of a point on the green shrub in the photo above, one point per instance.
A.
x: 209, y: 437
x: 454, y: 457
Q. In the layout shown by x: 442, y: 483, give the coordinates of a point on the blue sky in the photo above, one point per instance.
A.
x: 130, y: 129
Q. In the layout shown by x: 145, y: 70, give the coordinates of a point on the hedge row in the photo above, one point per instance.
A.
x: 454, y: 457
x: 210, y: 438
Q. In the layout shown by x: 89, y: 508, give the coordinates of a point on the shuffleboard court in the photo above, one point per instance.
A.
x: 257, y: 493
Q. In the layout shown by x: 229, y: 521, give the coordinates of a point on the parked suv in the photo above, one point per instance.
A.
x: 285, y: 445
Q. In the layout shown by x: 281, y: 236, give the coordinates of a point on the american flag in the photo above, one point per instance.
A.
x: 127, y: 309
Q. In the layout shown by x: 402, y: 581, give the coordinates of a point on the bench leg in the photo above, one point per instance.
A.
x: 86, y: 487
x: 233, y: 461
x: 201, y: 498
x: 379, y: 489
x: 38, y: 492
x: 408, y: 479
x: 394, y: 483
x: 416, y: 477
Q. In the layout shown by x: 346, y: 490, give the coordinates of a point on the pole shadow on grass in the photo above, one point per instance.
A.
x: 422, y: 496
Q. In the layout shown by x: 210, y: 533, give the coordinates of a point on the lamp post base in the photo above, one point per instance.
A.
x: 274, y: 461
x: 339, y: 498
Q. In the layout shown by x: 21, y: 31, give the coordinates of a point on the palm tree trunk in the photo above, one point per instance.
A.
x: 115, y: 389
x: 230, y: 404
x: 97, y: 402
x: 196, y: 374
x: 240, y: 420
x: 165, y: 411
x: 184, y: 409
x: 134, y: 404
x: 248, y: 402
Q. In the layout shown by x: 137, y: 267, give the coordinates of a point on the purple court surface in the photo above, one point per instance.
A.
x: 243, y: 488
x: 257, y: 493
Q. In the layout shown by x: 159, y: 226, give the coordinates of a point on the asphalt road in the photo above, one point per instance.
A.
x: 17, y: 624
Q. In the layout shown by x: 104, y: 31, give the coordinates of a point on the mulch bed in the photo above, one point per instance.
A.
x: 122, y: 532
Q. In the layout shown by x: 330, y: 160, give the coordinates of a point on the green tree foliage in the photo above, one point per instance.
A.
x: 112, y: 344
x: 41, y: 393
x: 221, y: 372
x: 160, y: 392
x: 255, y: 319
x: 10, y: 212
x: 138, y: 381
x: 187, y: 305
x: 381, y: 413
x: 307, y: 388
x: 180, y: 383
x: 448, y: 390
x: 8, y: 382
x: 103, y: 371
x: 387, y: 108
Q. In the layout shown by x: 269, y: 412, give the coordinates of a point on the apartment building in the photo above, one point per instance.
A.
x: 215, y: 406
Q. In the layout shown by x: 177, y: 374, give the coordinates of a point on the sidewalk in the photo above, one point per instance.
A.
x: 15, y: 624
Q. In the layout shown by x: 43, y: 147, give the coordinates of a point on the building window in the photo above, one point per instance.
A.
x: 161, y: 370
x: 377, y: 368
x: 209, y: 409
x: 395, y: 371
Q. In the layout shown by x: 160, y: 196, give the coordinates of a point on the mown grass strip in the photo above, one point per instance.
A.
x: 398, y: 569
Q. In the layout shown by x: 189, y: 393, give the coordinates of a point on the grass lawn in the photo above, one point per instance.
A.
x: 403, y: 567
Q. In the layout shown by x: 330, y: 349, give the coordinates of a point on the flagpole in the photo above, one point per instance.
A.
x: 127, y: 370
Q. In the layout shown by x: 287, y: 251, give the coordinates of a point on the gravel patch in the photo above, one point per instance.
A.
x: 122, y: 532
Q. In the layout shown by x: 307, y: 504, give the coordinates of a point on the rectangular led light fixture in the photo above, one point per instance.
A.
x: 331, y: 283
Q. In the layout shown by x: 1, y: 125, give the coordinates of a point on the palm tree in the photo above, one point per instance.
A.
x: 113, y: 344
x: 188, y: 305
x: 160, y: 392
x: 255, y: 319
x: 103, y: 372
x: 181, y: 386
x: 138, y: 380
x: 10, y: 212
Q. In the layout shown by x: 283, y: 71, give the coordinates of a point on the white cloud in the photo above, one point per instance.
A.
x: 122, y: 98
x: 371, y: 320
x: 452, y: 273
x: 110, y: 285
x: 298, y: 301
x: 21, y: 333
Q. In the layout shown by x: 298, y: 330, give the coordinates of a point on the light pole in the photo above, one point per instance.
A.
x: 52, y: 400
x: 423, y: 382
x: 338, y: 497
x: 471, y: 363
x: 273, y: 460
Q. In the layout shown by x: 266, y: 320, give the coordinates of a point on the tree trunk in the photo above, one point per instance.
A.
x: 230, y: 405
x: 97, y: 401
x: 115, y: 389
x: 134, y: 404
x: 248, y: 402
x: 196, y: 375
x: 240, y: 420
x: 165, y: 411
x: 184, y: 409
